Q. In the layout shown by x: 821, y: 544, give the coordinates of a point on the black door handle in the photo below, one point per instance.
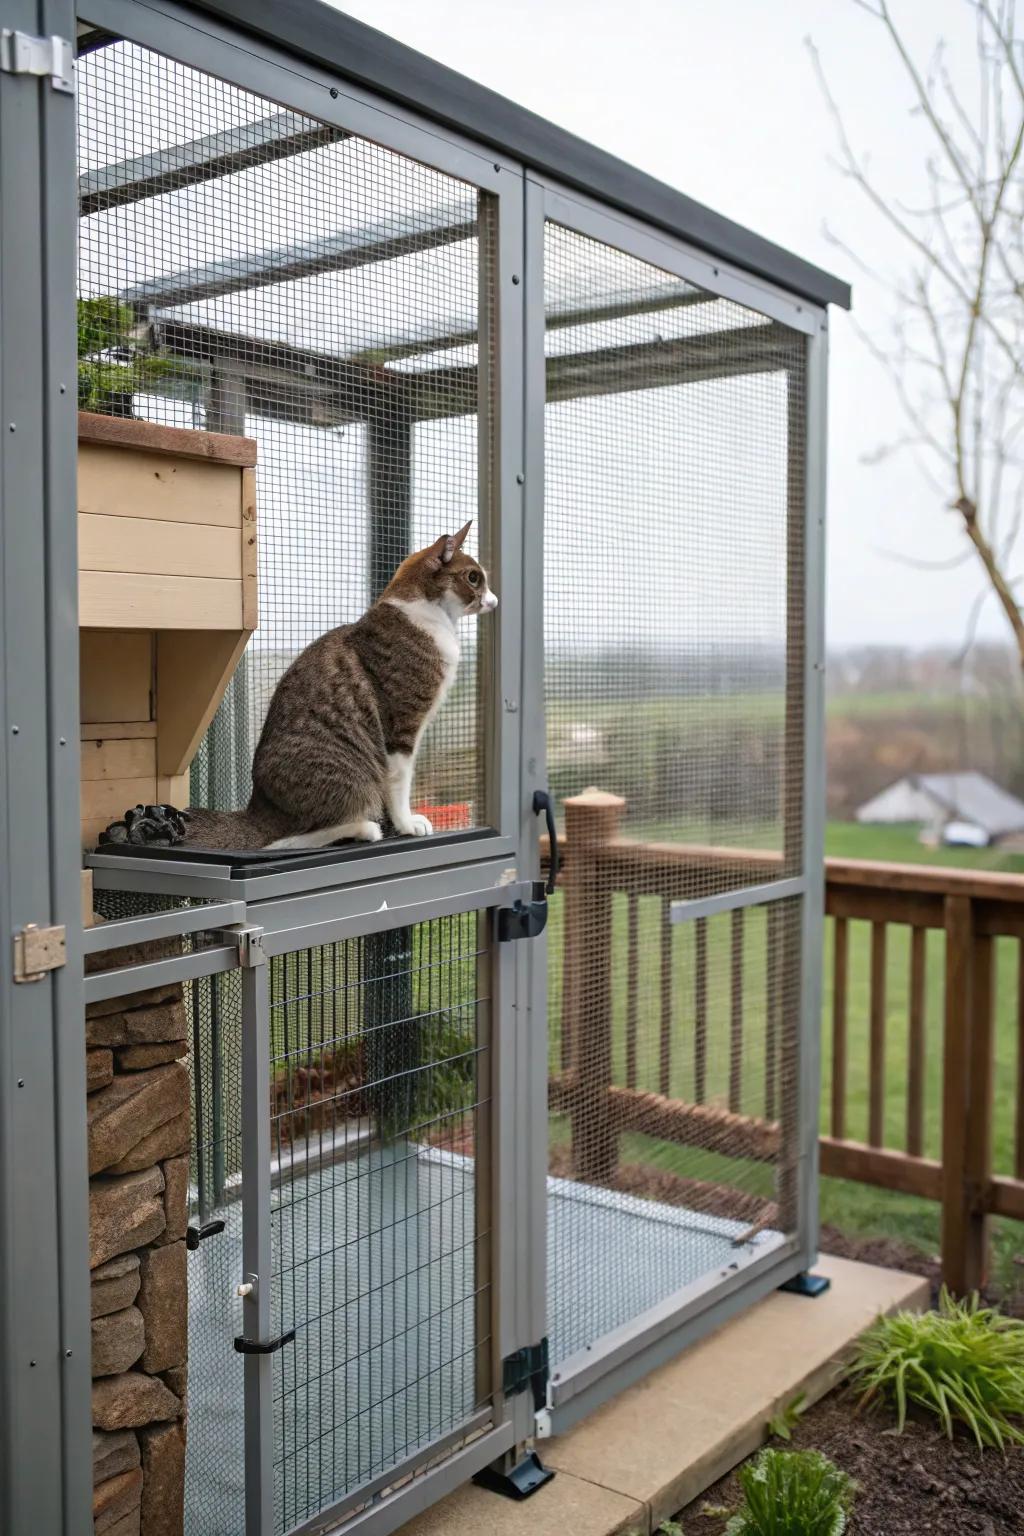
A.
x: 542, y: 801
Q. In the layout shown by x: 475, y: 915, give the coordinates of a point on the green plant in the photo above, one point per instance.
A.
x: 670, y: 1528
x: 792, y: 1493
x: 112, y: 366
x: 782, y: 1425
x: 963, y: 1363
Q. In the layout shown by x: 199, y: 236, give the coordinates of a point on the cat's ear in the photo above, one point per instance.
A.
x: 455, y: 541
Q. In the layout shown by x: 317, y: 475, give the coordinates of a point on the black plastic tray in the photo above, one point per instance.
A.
x: 271, y: 861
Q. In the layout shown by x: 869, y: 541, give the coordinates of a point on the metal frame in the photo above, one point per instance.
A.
x: 45, y: 1460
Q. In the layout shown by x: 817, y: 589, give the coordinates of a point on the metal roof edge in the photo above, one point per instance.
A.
x: 372, y: 59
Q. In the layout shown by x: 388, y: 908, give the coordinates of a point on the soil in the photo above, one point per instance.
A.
x: 907, y: 1484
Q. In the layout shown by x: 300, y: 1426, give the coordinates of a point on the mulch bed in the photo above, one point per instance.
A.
x: 907, y: 1484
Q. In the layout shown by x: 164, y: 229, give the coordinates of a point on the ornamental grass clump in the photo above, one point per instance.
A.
x: 963, y: 1363
x: 792, y: 1493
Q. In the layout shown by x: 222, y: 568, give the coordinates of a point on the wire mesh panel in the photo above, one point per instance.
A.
x: 380, y: 1104
x: 248, y: 270
x: 674, y: 581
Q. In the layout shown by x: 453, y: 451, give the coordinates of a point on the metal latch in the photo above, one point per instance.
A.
x: 527, y: 1367
x: 38, y: 950
x: 22, y: 53
x: 524, y: 919
x: 244, y: 1346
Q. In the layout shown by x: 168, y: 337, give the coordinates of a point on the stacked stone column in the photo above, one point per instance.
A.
x: 138, y: 1115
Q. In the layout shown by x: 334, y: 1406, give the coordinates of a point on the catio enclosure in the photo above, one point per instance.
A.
x: 466, y: 1156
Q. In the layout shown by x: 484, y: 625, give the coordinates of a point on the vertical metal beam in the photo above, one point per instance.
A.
x: 45, y: 1456
x: 813, y: 825
x: 257, y: 1255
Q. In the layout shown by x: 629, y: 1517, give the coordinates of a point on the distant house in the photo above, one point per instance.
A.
x: 954, y: 808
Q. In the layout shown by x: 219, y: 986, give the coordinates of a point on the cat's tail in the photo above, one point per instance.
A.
x: 163, y: 826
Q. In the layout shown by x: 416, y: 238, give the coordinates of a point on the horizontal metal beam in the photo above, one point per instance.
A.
x: 217, y: 154
x: 161, y: 925
x: 102, y: 985
x: 342, y: 252
x: 732, y: 901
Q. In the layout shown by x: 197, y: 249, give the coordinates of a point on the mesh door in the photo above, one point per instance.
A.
x: 380, y: 1106
x: 674, y: 500
x: 248, y: 270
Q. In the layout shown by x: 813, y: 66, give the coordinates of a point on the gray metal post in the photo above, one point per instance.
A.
x: 45, y: 1440
x: 257, y: 1255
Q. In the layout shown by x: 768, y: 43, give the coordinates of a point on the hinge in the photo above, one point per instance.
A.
x: 22, y: 53
x: 527, y: 1367
x: 524, y: 919
x: 39, y: 950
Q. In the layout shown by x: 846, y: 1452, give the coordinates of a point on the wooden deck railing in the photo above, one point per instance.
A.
x: 879, y: 921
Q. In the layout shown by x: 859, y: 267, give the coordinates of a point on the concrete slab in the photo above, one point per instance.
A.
x: 568, y: 1506
x: 664, y: 1441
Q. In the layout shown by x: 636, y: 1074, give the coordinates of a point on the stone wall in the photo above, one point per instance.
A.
x: 138, y: 1112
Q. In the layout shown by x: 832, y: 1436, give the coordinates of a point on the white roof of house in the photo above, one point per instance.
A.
x: 966, y: 796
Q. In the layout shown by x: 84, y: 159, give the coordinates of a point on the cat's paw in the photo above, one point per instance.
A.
x: 148, y: 826
x: 365, y: 832
x: 414, y: 826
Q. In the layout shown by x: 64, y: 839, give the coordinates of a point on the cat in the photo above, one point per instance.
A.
x: 339, y: 742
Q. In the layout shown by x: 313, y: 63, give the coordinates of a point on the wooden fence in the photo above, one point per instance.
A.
x: 901, y: 905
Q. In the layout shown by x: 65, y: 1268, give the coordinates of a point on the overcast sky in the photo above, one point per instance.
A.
x: 718, y: 98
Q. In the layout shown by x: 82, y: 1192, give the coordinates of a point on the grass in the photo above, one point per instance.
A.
x: 962, y: 1364
x: 792, y: 1493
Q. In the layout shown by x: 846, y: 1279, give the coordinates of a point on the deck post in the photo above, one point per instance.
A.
x: 592, y: 820
x: 967, y: 1098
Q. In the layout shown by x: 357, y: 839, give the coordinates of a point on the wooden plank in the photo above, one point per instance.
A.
x: 88, y: 915
x: 980, y: 1083
x: 707, y: 1126
x: 665, y: 1033
x: 926, y: 879
x: 871, y: 905
x: 840, y: 964
x: 132, y: 757
x: 193, y: 668
x: 150, y: 546
x: 121, y: 432
x: 736, y: 1012
x: 700, y: 1010
x: 1005, y: 1197
x: 250, y: 557
x: 173, y: 790
x: 916, y: 1044
x: 107, y: 800
x: 1018, y: 1138
x: 112, y: 483
x: 122, y: 599
x: 118, y: 730
x: 632, y: 986
x: 960, y: 1266
x: 876, y: 1065
x: 115, y: 676
x: 881, y: 1167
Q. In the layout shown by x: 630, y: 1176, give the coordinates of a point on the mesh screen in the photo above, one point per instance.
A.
x: 380, y: 1228
x: 248, y: 270
x: 674, y: 504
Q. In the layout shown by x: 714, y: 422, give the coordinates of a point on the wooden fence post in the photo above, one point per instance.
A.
x: 591, y: 820
x: 966, y: 1098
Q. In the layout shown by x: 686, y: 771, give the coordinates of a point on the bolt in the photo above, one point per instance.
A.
x: 63, y: 389
x: 67, y: 1354
x: 63, y: 741
x: 21, y: 1082
x: 497, y: 167
x: 12, y: 427
x: 520, y: 479
x: 32, y: 1362
x: 15, y: 730
x: 515, y: 279
x: 334, y: 92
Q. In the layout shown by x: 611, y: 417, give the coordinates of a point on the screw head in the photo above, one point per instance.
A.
x: 515, y: 279
x: 334, y: 92
x: 21, y: 1082
x: 67, y: 1354
x: 520, y: 479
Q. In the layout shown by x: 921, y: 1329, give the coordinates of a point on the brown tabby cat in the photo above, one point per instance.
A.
x: 339, y: 741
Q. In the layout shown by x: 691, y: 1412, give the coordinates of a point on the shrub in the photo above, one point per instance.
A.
x: 963, y: 1363
x: 792, y: 1493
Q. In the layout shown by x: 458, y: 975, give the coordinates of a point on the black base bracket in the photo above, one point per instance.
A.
x: 806, y: 1284
x: 520, y: 1481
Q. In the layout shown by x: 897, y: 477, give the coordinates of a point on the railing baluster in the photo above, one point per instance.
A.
x: 916, y: 1045
x: 736, y: 1015
x: 876, y: 1089
x: 665, y: 1060
x: 840, y: 966
x: 632, y: 978
x: 771, y: 1009
x: 1018, y: 1148
x: 700, y: 1012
